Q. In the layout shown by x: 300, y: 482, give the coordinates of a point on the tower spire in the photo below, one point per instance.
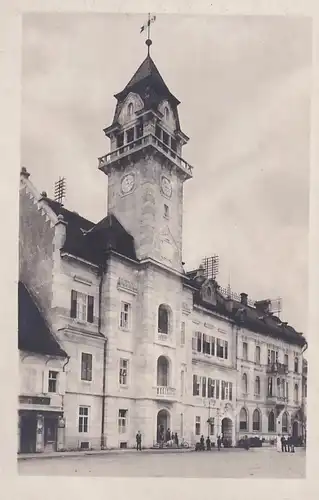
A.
x: 148, y: 26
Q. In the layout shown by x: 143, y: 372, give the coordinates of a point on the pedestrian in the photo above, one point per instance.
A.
x: 292, y: 444
x: 139, y: 441
x: 176, y: 439
x: 283, y: 443
x: 202, y: 442
x: 219, y: 442
x: 168, y: 434
x: 278, y: 443
x: 208, y: 444
x: 288, y: 443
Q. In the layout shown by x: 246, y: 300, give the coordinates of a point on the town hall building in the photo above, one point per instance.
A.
x: 146, y: 345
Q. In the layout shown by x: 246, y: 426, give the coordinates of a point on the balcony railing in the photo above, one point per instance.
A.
x: 140, y: 143
x: 279, y: 368
x: 163, y: 337
x: 162, y: 390
x: 277, y: 399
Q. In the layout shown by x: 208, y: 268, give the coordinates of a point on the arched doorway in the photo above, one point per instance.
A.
x: 162, y: 372
x: 295, y: 429
x: 163, y: 423
x: 227, y: 431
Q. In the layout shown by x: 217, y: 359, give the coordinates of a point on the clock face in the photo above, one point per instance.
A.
x: 166, y: 187
x: 127, y: 183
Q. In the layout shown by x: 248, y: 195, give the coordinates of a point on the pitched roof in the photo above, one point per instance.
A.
x: 34, y: 334
x: 91, y: 241
x: 147, y: 74
x: 245, y: 315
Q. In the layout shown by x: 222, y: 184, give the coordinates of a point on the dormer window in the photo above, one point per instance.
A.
x: 130, y: 109
x: 166, y: 113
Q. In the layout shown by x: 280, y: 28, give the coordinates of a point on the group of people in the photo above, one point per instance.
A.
x: 201, y: 444
x: 285, y: 444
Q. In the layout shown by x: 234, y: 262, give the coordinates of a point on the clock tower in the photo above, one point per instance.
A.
x: 145, y: 168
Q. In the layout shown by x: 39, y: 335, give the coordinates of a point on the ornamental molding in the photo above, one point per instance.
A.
x: 126, y: 286
x: 186, y: 308
x: 84, y: 281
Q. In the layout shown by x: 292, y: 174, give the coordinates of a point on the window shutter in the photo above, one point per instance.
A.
x: 90, y: 309
x: 73, y: 304
x: 45, y: 381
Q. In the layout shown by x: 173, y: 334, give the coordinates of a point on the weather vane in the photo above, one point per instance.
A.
x: 148, y: 26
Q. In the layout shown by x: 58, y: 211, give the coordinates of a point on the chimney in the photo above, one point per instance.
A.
x: 60, y: 232
x: 244, y: 299
x: 263, y: 306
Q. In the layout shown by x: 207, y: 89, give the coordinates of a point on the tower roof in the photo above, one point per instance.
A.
x: 147, y: 75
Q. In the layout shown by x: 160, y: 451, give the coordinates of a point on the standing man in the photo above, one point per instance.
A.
x: 219, y: 442
x: 139, y: 441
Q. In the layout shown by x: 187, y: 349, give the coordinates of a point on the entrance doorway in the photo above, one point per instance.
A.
x: 227, y: 431
x: 50, y: 433
x: 163, y: 424
x: 295, y: 429
x: 28, y: 433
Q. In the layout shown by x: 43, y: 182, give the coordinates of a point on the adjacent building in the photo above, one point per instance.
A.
x: 149, y: 346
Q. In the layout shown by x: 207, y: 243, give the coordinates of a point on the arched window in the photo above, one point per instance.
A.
x: 257, y: 386
x: 209, y: 291
x: 296, y: 393
x: 257, y: 355
x: 296, y: 365
x: 182, y: 382
x: 243, y: 420
x: 130, y: 109
x: 256, y: 420
x: 166, y: 113
x: 271, y: 422
x: 163, y: 319
x: 245, y: 383
x: 284, y: 426
x: 162, y: 371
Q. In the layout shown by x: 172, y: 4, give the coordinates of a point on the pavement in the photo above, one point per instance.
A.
x: 228, y: 463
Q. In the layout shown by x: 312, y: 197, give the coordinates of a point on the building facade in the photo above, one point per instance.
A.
x: 150, y: 347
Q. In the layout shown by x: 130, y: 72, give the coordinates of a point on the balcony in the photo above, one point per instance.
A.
x: 165, y: 392
x: 277, y: 368
x: 277, y: 400
x: 139, y: 144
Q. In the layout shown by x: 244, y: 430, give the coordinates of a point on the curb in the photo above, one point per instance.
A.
x: 70, y: 454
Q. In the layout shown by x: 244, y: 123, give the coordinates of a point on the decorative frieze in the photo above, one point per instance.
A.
x: 126, y: 286
x: 209, y: 325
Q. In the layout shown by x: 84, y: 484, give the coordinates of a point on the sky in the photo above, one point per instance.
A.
x: 244, y: 84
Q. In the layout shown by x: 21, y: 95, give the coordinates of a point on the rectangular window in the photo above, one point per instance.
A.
x: 195, y: 385
x: 223, y: 390
x: 217, y: 389
x: 199, y: 341
x: 82, y: 306
x: 166, y: 211
x: 52, y: 382
x: 197, y: 426
x: 212, y: 346
x: 245, y: 351
x: 120, y: 140
x: 206, y: 344
x: 204, y: 387
x: 139, y: 131
x: 122, y: 421
x: 158, y: 132
x: 83, y: 419
x: 123, y: 372
x: 173, y: 144
x: 269, y: 386
x: 230, y: 391
x: 212, y: 426
x: 86, y: 366
x: 130, y: 135
x: 222, y: 349
x: 183, y: 333
x: 286, y: 361
x: 125, y: 316
x: 165, y: 140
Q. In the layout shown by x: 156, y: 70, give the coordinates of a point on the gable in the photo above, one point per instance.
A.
x: 129, y: 108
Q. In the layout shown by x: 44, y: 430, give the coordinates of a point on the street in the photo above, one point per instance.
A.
x: 237, y: 463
